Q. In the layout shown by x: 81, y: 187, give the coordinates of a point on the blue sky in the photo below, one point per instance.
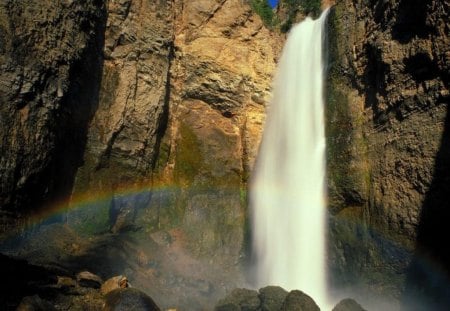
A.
x: 273, y: 3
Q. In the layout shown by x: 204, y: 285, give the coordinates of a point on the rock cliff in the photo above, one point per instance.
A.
x: 143, y: 118
x: 149, y: 114
x: 180, y: 111
x: 388, y: 141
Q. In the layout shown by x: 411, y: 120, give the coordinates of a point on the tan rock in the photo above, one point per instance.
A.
x: 65, y: 282
x: 113, y: 283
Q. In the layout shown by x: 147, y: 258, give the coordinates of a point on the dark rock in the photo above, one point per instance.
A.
x: 272, y: 298
x: 240, y: 299
x: 348, y: 305
x: 88, y: 279
x: 298, y: 301
x: 126, y: 299
x: 34, y: 303
x: 51, y: 69
x: 21, y: 279
x: 228, y: 306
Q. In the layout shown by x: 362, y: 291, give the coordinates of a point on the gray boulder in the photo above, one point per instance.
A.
x: 129, y: 299
x: 348, y: 305
x: 240, y: 299
x: 272, y: 298
x: 298, y: 301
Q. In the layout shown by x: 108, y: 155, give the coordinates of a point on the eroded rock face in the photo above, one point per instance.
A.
x: 51, y: 60
x: 124, y: 135
x: 182, y: 104
x: 149, y: 119
x: 387, y: 129
x: 220, y: 81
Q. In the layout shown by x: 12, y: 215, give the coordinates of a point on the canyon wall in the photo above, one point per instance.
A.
x: 388, y: 145
x: 151, y: 112
x: 178, y: 122
x: 139, y: 117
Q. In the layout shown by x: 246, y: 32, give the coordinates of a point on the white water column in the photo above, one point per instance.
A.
x: 287, y: 191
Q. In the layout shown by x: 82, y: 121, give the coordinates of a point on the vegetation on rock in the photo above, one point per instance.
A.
x: 263, y: 9
x: 293, y: 7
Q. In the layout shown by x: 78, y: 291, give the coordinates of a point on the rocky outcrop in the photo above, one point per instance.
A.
x: 387, y: 139
x: 124, y: 135
x: 51, y: 60
x: 222, y: 71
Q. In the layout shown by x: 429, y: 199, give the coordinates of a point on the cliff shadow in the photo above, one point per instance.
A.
x: 428, y: 276
x: 78, y: 108
x: 411, y: 20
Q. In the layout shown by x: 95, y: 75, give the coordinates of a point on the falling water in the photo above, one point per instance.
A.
x: 287, y: 193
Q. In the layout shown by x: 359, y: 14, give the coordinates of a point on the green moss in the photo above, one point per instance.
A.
x: 91, y: 219
x: 188, y: 158
x: 163, y: 156
x: 293, y: 7
x: 348, y: 171
x: 263, y: 9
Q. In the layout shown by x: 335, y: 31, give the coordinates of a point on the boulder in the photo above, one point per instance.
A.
x: 348, y: 305
x: 298, y: 301
x: 127, y: 299
x: 240, y: 299
x: 272, y: 298
x: 113, y: 283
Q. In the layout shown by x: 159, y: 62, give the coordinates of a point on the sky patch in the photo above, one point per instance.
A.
x: 273, y: 3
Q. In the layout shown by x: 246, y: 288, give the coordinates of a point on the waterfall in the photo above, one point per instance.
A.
x: 287, y: 191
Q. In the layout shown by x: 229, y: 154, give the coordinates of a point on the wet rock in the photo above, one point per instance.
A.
x: 348, y: 305
x: 35, y: 303
x: 113, y: 283
x: 88, y: 279
x: 125, y: 299
x: 272, y: 298
x: 122, y: 213
x: 298, y: 301
x: 239, y: 299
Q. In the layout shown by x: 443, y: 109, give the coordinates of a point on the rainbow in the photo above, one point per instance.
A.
x: 92, y: 199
